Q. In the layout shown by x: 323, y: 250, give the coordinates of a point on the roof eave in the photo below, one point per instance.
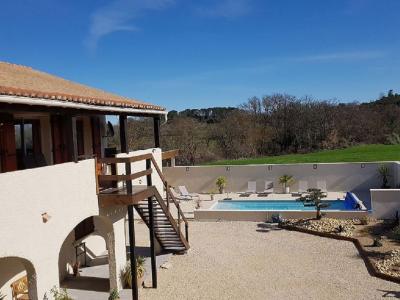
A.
x: 74, y: 105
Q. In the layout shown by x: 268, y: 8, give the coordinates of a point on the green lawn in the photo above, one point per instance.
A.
x: 364, y: 153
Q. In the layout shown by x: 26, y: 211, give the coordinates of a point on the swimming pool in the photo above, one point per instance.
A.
x: 275, y: 205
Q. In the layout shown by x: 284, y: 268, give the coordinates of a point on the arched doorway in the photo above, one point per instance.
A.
x: 89, y: 249
x: 17, y: 274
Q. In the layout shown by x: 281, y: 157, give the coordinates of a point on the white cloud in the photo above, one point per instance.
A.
x: 226, y: 9
x: 117, y: 15
x: 341, y: 56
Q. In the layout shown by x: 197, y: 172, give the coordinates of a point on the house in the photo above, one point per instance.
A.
x: 64, y: 195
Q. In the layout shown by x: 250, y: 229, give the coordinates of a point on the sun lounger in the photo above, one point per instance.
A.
x: 184, y: 192
x: 303, y: 187
x: 269, y: 187
x: 251, y: 188
x: 178, y: 196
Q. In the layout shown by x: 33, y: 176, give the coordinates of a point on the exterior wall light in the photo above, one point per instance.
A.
x: 187, y: 169
x: 228, y: 169
x: 269, y: 168
x: 362, y: 166
x: 315, y: 166
x: 45, y: 217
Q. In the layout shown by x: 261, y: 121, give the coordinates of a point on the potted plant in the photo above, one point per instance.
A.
x: 126, y: 276
x: 286, y: 181
x: 221, y: 184
x: 384, y: 172
x: 314, y: 197
x: 60, y: 294
x: 114, y: 295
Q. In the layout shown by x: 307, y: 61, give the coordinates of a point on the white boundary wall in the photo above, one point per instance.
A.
x: 385, y: 203
x: 338, y: 176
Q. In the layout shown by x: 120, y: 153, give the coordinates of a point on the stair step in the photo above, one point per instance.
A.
x: 175, y: 248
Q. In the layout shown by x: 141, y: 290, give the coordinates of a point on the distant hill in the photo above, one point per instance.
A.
x: 206, y: 115
x: 390, y: 98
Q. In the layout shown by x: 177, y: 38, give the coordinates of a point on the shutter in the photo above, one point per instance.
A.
x: 8, y: 151
x: 96, y: 136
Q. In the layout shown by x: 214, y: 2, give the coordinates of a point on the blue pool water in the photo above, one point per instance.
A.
x: 275, y: 205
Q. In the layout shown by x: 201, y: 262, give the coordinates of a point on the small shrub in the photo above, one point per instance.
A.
x: 364, y: 220
x: 114, y: 295
x: 60, y: 294
x: 340, y: 229
x: 314, y: 197
x: 125, y: 274
x: 384, y: 172
x: 377, y: 242
x: 395, y: 233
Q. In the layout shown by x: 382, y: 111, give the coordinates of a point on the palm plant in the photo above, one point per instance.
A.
x: 384, y: 172
x: 126, y: 275
x: 286, y: 181
x: 221, y: 183
x: 114, y: 295
x: 314, y: 197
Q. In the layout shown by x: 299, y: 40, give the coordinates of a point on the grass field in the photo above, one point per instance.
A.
x: 364, y: 153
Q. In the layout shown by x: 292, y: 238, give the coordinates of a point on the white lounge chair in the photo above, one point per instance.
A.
x: 184, y: 192
x: 303, y: 188
x: 321, y: 184
x: 269, y: 187
x: 251, y: 188
x: 178, y: 196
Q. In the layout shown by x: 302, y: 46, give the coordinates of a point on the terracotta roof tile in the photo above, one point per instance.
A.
x: 17, y: 80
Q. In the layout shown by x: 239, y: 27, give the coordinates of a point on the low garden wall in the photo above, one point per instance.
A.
x: 263, y: 216
x: 338, y: 176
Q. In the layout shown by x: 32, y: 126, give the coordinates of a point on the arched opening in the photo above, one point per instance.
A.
x: 86, y: 260
x: 17, y: 278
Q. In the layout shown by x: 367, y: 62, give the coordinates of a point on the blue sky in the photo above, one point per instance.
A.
x: 188, y: 54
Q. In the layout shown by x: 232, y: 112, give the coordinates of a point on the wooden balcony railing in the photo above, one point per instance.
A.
x: 148, y: 172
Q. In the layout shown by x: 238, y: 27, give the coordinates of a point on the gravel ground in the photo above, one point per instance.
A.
x: 243, y: 260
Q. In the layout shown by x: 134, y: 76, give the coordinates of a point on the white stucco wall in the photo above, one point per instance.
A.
x: 67, y: 192
x: 385, y: 203
x: 338, y: 176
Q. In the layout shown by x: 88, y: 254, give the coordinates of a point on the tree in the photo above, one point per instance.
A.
x: 314, y: 197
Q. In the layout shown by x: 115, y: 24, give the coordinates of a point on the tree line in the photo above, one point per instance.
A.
x: 272, y: 125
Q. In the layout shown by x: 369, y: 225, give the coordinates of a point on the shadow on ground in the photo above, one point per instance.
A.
x: 390, y: 294
x: 87, y: 283
x: 267, y: 227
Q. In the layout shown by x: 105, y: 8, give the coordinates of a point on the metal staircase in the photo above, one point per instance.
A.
x: 168, y: 235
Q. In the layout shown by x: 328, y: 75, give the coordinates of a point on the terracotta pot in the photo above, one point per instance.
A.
x: 140, y: 281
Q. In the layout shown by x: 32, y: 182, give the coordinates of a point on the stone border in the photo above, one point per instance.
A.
x: 372, y: 269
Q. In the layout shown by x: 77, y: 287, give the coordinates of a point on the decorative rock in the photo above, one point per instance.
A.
x: 166, y: 265
x: 326, y: 225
